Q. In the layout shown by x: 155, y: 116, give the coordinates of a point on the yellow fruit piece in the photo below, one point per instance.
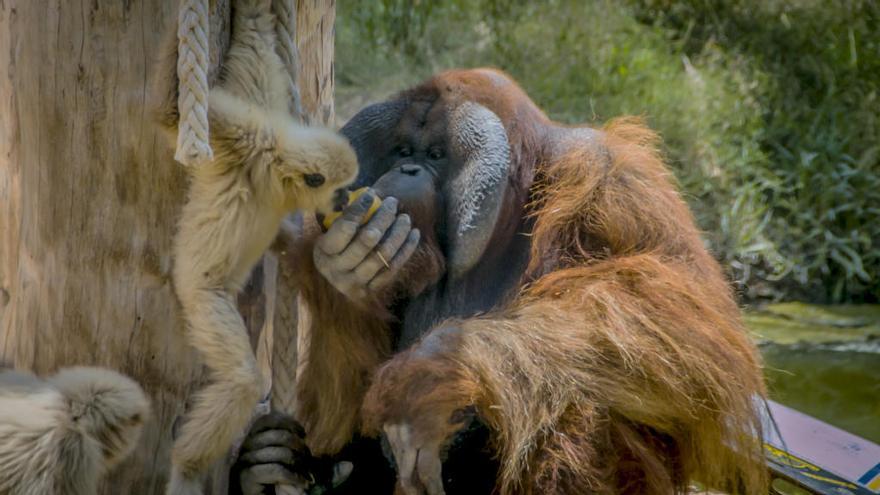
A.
x: 352, y: 197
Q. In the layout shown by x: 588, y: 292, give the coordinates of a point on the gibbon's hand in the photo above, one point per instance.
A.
x: 359, y: 260
x: 275, y: 453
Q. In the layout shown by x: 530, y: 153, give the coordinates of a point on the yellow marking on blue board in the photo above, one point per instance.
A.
x: 795, y: 462
x: 831, y: 481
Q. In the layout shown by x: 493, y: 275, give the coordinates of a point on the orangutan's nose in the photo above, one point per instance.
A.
x: 410, y: 169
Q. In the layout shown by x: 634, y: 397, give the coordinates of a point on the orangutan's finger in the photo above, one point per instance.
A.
x: 429, y: 468
x: 405, y: 455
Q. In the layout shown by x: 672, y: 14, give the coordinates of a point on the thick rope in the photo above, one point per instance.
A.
x: 285, y: 34
x: 285, y: 340
x: 193, y: 147
x: 285, y: 334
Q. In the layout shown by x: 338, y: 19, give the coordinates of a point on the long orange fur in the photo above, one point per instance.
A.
x: 621, y: 367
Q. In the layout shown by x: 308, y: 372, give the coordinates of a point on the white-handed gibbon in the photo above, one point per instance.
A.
x: 265, y: 165
x: 60, y: 435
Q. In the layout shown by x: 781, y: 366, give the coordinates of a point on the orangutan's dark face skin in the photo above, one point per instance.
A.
x: 412, y: 166
x: 414, y: 185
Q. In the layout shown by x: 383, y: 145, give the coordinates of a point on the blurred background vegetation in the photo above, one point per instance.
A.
x: 769, y: 109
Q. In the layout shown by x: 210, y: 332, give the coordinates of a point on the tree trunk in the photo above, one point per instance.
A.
x: 90, y: 193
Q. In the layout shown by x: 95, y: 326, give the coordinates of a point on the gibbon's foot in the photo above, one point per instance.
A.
x: 275, y: 453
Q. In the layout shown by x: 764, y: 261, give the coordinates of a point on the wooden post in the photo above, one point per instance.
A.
x: 315, y: 33
x: 89, y: 195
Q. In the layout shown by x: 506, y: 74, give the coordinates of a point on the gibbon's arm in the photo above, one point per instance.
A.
x: 252, y: 71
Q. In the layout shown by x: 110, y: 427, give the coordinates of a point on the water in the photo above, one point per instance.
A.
x: 824, y: 361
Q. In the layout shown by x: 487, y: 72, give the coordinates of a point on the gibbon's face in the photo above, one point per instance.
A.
x: 318, y: 165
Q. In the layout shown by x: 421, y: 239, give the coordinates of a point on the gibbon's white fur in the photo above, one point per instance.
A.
x: 61, y: 435
x: 265, y: 165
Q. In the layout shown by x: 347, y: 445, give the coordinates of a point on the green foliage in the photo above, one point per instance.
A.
x: 769, y: 109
